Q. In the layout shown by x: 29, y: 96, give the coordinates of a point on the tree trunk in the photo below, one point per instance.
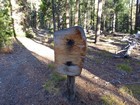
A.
x: 131, y: 19
x: 88, y: 15
x: 58, y: 16
x: 114, y: 23
x: 67, y: 14
x: 71, y: 12
x: 19, y: 17
x: 98, y: 25
x: 79, y: 16
x: 77, y: 12
x: 58, y: 21
x: 95, y: 16
x: 137, y: 15
x: 104, y: 22
x: 85, y: 21
x: 92, y: 15
x: 53, y: 13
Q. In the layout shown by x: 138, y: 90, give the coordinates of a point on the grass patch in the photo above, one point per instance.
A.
x: 51, y: 66
x: 50, y: 87
x: 53, y: 84
x: 125, y: 89
x: 106, y: 54
x: 133, y: 90
x: 56, y: 77
x: 111, y: 100
x: 124, y: 67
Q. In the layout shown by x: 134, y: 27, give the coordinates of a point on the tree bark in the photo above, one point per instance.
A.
x: 98, y: 24
x: 67, y: 14
x: 71, y: 13
x: 131, y: 19
x: 77, y: 12
x: 85, y: 21
x: 114, y: 23
x: 58, y: 16
x: 95, y: 16
x: 137, y: 13
x: 53, y: 12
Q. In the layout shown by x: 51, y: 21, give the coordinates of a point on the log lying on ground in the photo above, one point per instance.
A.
x: 117, y: 34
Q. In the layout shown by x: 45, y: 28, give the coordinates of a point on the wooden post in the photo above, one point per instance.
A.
x: 71, y: 87
x: 70, y: 50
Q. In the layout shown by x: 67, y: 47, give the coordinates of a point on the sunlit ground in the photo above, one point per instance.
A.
x: 37, y: 48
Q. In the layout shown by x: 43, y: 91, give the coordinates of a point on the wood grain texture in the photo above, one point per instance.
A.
x: 70, y: 49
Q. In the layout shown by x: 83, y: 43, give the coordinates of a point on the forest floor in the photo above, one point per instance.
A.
x: 27, y: 78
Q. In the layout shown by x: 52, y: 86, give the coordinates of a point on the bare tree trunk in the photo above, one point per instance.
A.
x: 67, y: 14
x: 114, y: 23
x: 92, y: 14
x: 71, y: 12
x: 98, y: 25
x: 53, y: 13
x: 88, y: 15
x: 131, y: 19
x: 95, y: 12
x: 137, y: 21
x: 19, y: 17
x: 104, y: 23
x: 79, y: 19
x: 58, y: 15
x: 85, y: 21
x: 58, y: 21
x: 77, y: 12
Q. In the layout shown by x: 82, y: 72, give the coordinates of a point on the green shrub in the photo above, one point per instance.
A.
x: 52, y: 85
x: 124, y: 67
x: 30, y: 33
x: 135, y: 88
x: 125, y: 89
x: 5, y: 27
x: 111, y: 99
x: 132, y: 89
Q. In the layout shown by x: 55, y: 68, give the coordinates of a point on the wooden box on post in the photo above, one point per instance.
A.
x: 70, y: 49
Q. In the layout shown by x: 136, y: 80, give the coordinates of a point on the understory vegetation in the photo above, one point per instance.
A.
x: 5, y: 29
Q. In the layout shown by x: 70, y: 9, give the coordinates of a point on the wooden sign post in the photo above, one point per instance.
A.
x: 70, y: 50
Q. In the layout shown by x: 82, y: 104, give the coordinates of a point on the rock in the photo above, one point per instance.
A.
x: 107, y: 83
x: 96, y: 77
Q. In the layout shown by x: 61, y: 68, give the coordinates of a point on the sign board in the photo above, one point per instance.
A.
x: 70, y: 50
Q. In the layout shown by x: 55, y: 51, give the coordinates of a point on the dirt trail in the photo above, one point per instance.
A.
x: 21, y: 78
